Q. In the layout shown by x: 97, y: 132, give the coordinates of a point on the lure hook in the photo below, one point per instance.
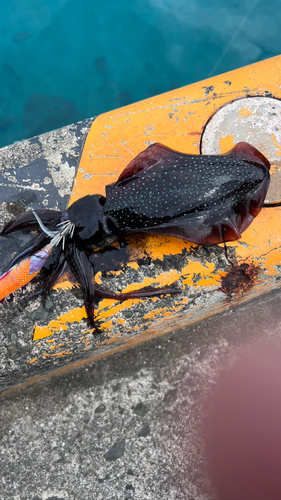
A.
x: 67, y: 228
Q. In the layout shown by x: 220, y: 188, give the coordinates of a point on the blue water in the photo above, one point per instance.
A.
x: 65, y: 60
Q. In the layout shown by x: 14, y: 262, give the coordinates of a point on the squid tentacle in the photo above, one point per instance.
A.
x: 27, y: 252
x: 54, y: 277
x: 84, y: 273
x: 27, y: 221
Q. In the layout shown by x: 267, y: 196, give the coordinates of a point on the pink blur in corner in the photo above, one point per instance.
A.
x: 244, y: 427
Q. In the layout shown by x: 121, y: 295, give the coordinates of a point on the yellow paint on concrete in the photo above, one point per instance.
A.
x: 278, y: 147
x: 56, y: 346
x: 262, y: 241
x: 154, y: 313
x: 182, y: 302
x: 164, y: 279
x: 157, y: 246
x: 98, y: 278
x: 62, y: 354
x: 245, y: 112
x: 59, y: 324
x: 274, y: 168
x: 226, y: 143
x: 64, y: 284
x: 110, y: 307
x: 121, y: 321
x: 105, y: 308
x: 33, y: 360
x: 196, y: 268
x: 134, y: 265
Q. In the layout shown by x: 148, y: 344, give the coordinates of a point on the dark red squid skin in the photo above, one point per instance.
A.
x: 203, y: 199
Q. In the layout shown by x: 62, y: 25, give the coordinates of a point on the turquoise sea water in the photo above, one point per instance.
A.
x: 65, y: 60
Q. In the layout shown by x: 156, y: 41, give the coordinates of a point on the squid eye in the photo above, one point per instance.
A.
x: 103, y: 243
x: 106, y: 241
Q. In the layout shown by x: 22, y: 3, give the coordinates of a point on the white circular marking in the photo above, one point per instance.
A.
x: 256, y: 120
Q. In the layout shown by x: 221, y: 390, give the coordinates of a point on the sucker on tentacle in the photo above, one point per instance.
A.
x: 203, y: 199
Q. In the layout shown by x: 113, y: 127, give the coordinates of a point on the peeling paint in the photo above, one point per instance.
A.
x: 278, y: 146
x: 75, y: 315
x: 226, y: 143
x: 157, y: 260
x: 245, y: 112
x: 33, y: 360
x: 106, y: 162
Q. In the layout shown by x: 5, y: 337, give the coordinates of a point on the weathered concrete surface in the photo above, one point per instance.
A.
x: 36, y: 173
x: 45, y: 171
x: 127, y: 426
x: 40, y: 172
